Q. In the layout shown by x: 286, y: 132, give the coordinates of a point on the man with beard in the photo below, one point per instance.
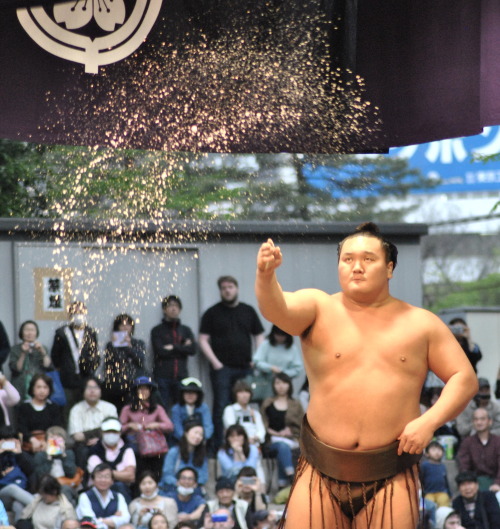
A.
x: 228, y: 332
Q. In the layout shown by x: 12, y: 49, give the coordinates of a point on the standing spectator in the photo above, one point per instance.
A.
x: 190, y: 504
x: 101, y: 503
x: 4, y: 345
x: 191, y: 407
x: 433, y: 476
x: 49, y: 507
x: 190, y: 452
x: 145, y: 414
x: 277, y: 354
x: 9, y: 396
x: 124, y: 359
x: 481, y: 400
x: 149, y: 502
x: 85, y: 419
x: 27, y: 358
x: 75, y: 353
x: 462, y: 333
x: 228, y: 331
x: 112, y: 450
x: 477, y: 509
x: 282, y: 417
x: 480, y: 453
x: 242, y: 413
x: 38, y: 414
x: 172, y: 344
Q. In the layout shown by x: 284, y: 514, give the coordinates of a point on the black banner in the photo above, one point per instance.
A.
x: 248, y: 76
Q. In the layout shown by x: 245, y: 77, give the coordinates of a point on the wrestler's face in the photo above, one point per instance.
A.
x: 362, y: 266
x: 468, y: 489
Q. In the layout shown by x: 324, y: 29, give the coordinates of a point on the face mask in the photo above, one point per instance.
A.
x: 111, y: 439
x: 184, y: 491
x: 79, y: 320
x: 150, y: 496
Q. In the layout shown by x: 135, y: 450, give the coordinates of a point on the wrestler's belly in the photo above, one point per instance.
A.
x: 351, y: 425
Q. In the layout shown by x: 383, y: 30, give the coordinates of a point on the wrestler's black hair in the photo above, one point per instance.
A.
x: 370, y: 229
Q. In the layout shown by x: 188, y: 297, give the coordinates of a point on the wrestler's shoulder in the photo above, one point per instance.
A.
x: 423, y: 316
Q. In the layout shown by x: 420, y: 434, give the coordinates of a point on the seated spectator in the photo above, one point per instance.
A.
x: 481, y: 400
x: 38, y: 414
x: 191, y: 452
x: 226, y: 499
x: 278, y: 354
x: 150, y: 502
x: 242, y: 413
x: 4, y: 518
x: 447, y: 518
x: 145, y: 414
x: 264, y: 520
x: 282, y: 417
x: 249, y: 488
x: 58, y: 461
x: 237, y: 452
x: 85, y: 419
x: 27, y: 358
x: 49, y: 507
x: 186, y: 524
x: 13, y: 469
x: 159, y: 521
x: 124, y: 359
x: 111, y: 449
x: 191, y: 407
x: 477, y: 509
x: 108, y: 508
x: 220, y: 519
x: 433, y: 476
x: 9, y: 397
x: 480, y: 453
x: 190, y: 505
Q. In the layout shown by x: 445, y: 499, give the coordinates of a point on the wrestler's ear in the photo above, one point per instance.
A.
x: 390, y: 269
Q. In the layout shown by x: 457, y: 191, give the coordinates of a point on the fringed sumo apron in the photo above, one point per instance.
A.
x: 353, y: 478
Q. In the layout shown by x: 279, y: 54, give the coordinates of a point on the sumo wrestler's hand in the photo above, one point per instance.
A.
x: 269, y: 257
x: 415, y: 437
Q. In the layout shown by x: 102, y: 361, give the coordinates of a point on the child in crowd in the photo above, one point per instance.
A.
x: 433, y: 476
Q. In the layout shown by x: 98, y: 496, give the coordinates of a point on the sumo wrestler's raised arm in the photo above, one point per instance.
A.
x: 447, y: 360
x: 293, y: 312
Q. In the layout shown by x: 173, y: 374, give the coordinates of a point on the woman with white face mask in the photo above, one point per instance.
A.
x: 143, y: 508
x: 75, y: 353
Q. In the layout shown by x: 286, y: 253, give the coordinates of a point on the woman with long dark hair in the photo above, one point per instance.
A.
x: 237, y: 452
x: 282, y: 417
x: 191, y: 452
x: 124, y: 358
x: 142, y: 415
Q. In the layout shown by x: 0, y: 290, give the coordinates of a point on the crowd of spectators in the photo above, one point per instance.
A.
x: 90, y: 438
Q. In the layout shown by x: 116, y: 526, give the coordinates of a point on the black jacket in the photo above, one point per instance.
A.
x: 486, y: 514
x: 62, y: 358
x: 172, y: 363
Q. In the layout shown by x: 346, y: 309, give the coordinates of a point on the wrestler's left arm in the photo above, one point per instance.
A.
x: 447, y: 360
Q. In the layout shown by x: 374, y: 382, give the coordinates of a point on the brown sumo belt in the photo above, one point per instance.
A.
x: 353, y: 466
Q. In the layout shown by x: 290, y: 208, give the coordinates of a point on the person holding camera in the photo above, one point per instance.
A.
x: 461, y: 331
x: 220, y: 519
x: 27, y: 358
x: 248, y: 487
x: 226, y: 499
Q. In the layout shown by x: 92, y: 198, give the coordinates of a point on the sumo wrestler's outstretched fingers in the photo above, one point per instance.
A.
x: 415, y: 437
x: 269, y: 257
